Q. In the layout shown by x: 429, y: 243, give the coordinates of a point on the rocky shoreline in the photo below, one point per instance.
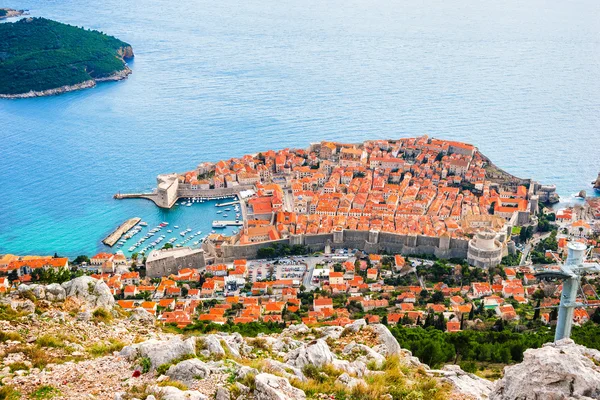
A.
x: 117, y: 76
x: 124, y: 53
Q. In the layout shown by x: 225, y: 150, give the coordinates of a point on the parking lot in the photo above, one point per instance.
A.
x: 282, y: 269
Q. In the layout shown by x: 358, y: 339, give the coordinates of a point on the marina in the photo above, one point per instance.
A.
x: 181, y: 226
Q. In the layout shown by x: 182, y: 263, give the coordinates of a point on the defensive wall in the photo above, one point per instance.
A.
x: 368, y: 241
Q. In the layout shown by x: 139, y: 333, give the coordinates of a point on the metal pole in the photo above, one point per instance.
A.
x: 568, y: 297
x: 566, y: 308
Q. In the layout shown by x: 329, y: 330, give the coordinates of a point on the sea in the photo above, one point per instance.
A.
x: 217, y: 79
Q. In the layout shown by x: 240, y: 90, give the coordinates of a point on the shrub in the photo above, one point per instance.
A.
x: 102, y: 315
x: 9, y: 393
x: 100, y: 349
x: 177, y: 384
x: 146, y: 364
x: 13, y: 336
x: 18, y: 366
x: 50, y: 341
x: 469, y: 366
x: 45, y: 392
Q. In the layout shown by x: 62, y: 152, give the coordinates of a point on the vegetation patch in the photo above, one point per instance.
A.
x: 9, y: 393
x: 176, y: 384
x: 40, y: 54
x: 45, y: 392
x: 102, y: 315
x: 12, y: 336
x: 100, y: 349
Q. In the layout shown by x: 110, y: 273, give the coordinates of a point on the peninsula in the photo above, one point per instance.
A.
x: 40, y: 57
x: 411, y: 196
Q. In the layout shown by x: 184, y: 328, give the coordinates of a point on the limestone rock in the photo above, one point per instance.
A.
x: 561, y: 370
x: 333, y: 332
x: 24, y: 306
x: 465, y: 383
x: 160, y: 352
x: 356, y: 326
x: 36, y: 290
x: 212, y: 344
x: 172, y: 393
x: 55, y: 292
x: 222, y: 394
x: 295, y: 330
x: 283, y: 344
x: 316, y: 353
x: 244, y: 370
x: 388, y: 345
x: 272, y: 387
x: 281, y: 368
x: 363, y: 353
x: 95, y: 293
x: 141, y: 315
x: 349, y: 381
x: 188, y: 371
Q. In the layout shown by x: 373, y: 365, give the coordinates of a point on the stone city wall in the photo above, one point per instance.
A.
x: 171, y: 265
x: 369, y: 241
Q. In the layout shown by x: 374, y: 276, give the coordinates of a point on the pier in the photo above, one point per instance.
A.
x: 228, y: 223
x: 227, y: 204
x: 120, y: 231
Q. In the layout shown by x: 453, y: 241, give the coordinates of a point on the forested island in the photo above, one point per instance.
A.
x: 40, y: 57
x: 9, y: 13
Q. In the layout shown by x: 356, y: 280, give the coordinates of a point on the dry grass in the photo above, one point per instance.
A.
x: 13, y: 336
x: 100, y: 349
x: 176, y: 384
x: 395, y: 379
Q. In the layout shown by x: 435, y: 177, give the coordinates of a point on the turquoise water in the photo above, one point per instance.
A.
x: 521, y: 80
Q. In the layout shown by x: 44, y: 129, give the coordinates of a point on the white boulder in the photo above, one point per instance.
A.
x: 272, y: 387
x: 95, y: 293
x: 188, y: 371
x: 316, y: 353
x: 160, y: 351
x: 561, y: 370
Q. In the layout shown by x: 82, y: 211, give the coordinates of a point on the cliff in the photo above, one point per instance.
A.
x: 40, y: 57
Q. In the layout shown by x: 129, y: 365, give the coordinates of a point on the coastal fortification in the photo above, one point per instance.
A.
x: 411, y: 196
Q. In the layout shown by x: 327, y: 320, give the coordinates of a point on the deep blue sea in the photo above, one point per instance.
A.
x: 215, y: 79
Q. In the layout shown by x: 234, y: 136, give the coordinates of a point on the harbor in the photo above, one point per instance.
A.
x: 116, y: 235
x: 187, y: 224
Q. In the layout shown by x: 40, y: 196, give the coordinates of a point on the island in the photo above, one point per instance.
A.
x: 10, y: 13
x: 40, y: 57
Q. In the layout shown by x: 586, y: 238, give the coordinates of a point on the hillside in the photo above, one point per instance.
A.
x: 42, y: 57
x: 72, y: 341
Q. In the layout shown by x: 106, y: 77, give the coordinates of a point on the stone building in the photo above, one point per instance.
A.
x: 169, y: 261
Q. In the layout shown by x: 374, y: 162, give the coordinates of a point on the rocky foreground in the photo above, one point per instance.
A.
x: 69, y: 341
